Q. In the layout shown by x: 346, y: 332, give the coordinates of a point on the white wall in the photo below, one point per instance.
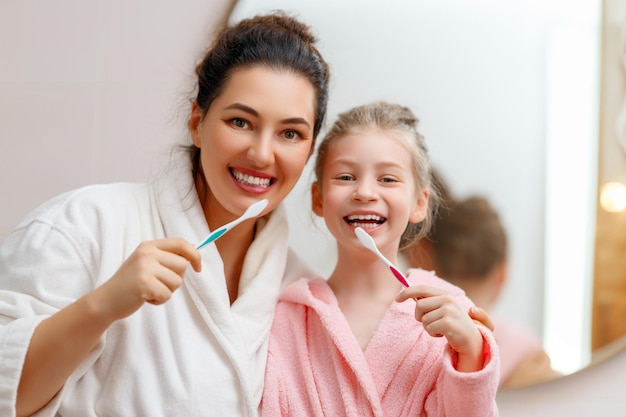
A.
x: 92, y: 91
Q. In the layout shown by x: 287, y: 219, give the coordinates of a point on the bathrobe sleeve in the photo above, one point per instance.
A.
x: 466, y: 394
x: 461, y: 394
x: 43, y: 268
x: 54, y: 257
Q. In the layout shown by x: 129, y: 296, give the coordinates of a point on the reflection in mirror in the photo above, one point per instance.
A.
x: 505, y: 91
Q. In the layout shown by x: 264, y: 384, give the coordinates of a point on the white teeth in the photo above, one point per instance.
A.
x: 365, y: 220
x: 251, y: 180
x: 364, y: 217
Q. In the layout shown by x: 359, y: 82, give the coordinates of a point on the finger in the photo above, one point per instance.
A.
x: 420, y: 291
x: 456, y: 326
x: 429, y: 321
x: 435, y: 308
x: 408, y: 293
x: 433, y: 329
x: 183, y: 248
x: 445, y: 321
x: 158, y: 293
x: 445, y: 300
x: 479, y: 315
x: 169, y: 278
x: 154, y: 283
x: 174, y: 262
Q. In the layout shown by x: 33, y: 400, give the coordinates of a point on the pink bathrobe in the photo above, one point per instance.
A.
x: 316, y: 368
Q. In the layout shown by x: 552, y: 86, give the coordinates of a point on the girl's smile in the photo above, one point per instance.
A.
x: 365, y: 220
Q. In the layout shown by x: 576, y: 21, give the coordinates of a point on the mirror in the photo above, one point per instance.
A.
x: 492, y: 82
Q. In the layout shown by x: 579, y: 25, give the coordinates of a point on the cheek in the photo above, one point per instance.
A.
x: 335, y: 198
x: 221, y: 144
x: 400, y: 205
x: 294, y: 161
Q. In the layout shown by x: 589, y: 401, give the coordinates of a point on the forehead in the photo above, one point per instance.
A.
x: 371, y: 136
x: 371, y: 145
x: 262, y: 87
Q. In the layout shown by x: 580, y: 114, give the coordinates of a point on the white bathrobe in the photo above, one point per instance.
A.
x: 195, y: 355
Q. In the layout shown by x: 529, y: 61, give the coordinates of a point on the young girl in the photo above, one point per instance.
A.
x: 106, y: 306
x: 356, y: 344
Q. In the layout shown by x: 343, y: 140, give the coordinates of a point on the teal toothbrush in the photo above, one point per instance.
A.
x: 252, y: 211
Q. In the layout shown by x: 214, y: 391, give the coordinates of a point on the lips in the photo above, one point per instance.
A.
x: 365, y: 221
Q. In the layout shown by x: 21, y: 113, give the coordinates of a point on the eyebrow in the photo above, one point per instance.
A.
x: 251, y: 111
x: 353, y: 162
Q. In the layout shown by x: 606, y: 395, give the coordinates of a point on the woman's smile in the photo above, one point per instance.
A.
x: 259, y: 181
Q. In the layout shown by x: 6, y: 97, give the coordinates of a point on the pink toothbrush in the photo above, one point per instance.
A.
x: 369, y: 243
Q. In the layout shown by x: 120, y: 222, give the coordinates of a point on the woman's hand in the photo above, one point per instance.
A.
x: 441, y: 315
x: 150, y: 274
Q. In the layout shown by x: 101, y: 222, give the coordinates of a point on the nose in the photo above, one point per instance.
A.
x: 261, y: 150
x: 365, y: 191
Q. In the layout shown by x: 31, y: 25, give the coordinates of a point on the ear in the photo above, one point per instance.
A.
x: 194, y: 123
x: 418, y: 212
x: 317, y: 202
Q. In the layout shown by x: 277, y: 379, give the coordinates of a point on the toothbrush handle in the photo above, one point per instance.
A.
x: 399, y: 276
x: 213, y: 236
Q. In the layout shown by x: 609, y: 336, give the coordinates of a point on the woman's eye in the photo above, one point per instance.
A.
x: 291, y: 135
x: 239, y: 123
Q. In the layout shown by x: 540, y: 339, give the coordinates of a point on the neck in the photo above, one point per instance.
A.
x: 359, y: 271
x: 233, y: 247
x: 364, y: 288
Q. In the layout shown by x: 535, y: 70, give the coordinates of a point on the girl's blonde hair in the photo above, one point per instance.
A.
x: 402, y: 122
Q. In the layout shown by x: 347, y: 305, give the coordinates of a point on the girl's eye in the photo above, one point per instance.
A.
x: 291, y: 135
x: 388, y: 180
x: 239, y: 123
x: 344, y: 177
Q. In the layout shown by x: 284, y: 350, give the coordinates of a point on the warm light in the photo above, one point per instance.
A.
x: 613, y: 197
x: 569, y: 262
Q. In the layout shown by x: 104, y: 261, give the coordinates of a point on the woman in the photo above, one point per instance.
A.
x: 76, y: 335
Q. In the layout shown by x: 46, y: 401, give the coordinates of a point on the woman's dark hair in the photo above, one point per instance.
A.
x: 276, y: 41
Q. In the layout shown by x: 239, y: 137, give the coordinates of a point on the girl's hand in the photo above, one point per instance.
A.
x: 150, y: 274
x: 441, y: 315
x: 480, y: 316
